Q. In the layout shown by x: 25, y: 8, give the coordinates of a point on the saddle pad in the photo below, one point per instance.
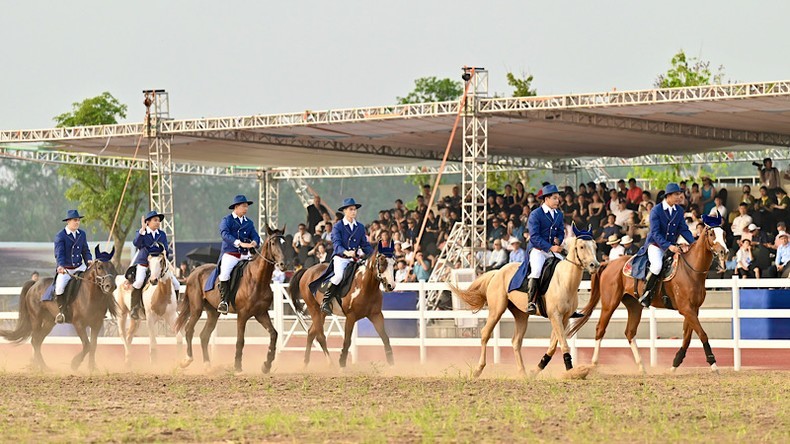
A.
x: 348, y: 279
x: 636, y: 267
x: 131, y: 275
x: 235, y: 279
x: 69, y: 294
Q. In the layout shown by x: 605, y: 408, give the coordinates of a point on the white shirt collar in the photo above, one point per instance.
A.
x: 152, y: 232
x: 349, y: 224
x: 70, y: 233
x: 666, y: 206
x: 546, y: 209
x: 239, y: 218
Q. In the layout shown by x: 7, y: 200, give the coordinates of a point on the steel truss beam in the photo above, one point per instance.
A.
x: 656, y: 127
x: 755, y: 155
x: 160, y: 164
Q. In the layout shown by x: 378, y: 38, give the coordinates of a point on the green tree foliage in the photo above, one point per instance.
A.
x: 97, y: 191
x: 661, y: 176
x: 522, y: 86
x: 688, y: 71
x: 432, y: 89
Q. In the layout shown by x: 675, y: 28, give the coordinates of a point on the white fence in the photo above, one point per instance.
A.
x: 422, y: 315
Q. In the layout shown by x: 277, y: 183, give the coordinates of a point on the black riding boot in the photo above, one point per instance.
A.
x: 224, y: 294
x: 61, y: 317
x: 137, y: 304
x: 650, y: 285
x: 329, y: 294
x: 532, y: 291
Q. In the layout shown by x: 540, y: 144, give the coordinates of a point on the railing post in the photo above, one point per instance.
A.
x: 279, y: 313
x: 574, y: 349
x: 423, y: 326
x: 354, y: 347
x: 653, y: 338
x: 497, y: 335
x: 736, y: 323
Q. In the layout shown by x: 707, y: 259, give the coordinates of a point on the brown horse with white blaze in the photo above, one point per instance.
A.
x: 253, y: 299
x: 363, y: 300
x: 92, y: 302
x: 686, y: 291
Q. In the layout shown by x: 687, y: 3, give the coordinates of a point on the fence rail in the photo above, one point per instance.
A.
x: 423, y: 316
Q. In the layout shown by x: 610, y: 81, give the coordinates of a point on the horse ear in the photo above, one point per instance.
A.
x: 96, y: 251
x: 112, y: 253
x: 268, y: 229
x: 283, y: 230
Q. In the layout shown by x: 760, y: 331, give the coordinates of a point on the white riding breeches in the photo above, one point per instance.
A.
x: 63, y: 279
x: 228, y: 262
x: 536, y: 260
x: 339, y: 263
x: 139, y: 277
x: 655, y: 257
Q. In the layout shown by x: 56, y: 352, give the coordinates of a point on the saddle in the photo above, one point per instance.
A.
x: 636, y: 268
x: 235, y: 279
x: 68, y: 296
x: 345, y: 283
x: 131, y: 275
x: 543, y: 282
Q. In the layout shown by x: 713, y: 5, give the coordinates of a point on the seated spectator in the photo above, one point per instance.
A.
x: 695, y: 196
x: 622, y: 190
x: 613, y: 205
x: 596, y: 211
x: 497, y: 230
x: 517, y: 254
x: 581, y: 215
x: 402, y: 272
x: 422, y: 267
x: 507, y: 197
x: 781, y: 266
x: 633, y: 196
x: 498, y: 257
x: 719, y: 208
x: 182, y: 272
x: 628, y: 246
x: 609, y: 229
x: 782, y: 206
x: 747, y: 197
x: 322, y: 233
x: 692, y: 220
x: 623, y: 215
x: 318, y: 255
x: 315, y: 213
x: 646, y: 198
x: 616, y: 250
x: 740, y: 223
x: 745, y: 265
x: 408, y: 253
x: 568, y: 208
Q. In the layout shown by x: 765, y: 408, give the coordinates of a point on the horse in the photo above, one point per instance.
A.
x: 159, y: 299
x: 363, y: 300
x: 253, y: 299
x: 88, y: 309
x: 686, y: 291
x: 562, y: 298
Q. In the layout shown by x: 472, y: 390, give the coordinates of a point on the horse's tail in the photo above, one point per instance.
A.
x: 24, y: 328
x: 293, y: 289
x: 595, y: 296
x: 183, y: 309
x: 475, y: 295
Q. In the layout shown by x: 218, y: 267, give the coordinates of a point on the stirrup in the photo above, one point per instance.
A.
x: 222, y: 308
x: 576, y: 315
x: 326, y: 307
x: 532, y: 308
x: 60, y: 318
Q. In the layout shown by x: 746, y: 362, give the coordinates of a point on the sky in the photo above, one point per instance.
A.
x: 228, y: 58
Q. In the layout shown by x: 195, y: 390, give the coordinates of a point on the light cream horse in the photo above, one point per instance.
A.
x: 160, y: 300
x: 561, y: 301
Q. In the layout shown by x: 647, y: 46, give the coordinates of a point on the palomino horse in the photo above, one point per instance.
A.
x: 160, y: 301
x: 253, y: 299
x: 561, y: 301
x: 686, y: 291
x: 363, y: 300
x: 93, y: 300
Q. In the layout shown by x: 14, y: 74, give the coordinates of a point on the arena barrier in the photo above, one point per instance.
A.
x: 292, y: 325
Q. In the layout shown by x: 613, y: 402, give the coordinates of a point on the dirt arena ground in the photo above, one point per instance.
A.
x: 370, y: 402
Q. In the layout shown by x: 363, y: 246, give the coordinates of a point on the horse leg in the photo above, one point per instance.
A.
x: 377, y: 320
x: 170, y: 318
x: 153, y: 322
x: 351, y: 320
x: 560, y: 327
x: 189, y: 332
x: 320, y: 335
x: 494, y: 315
x: 75, y: 363
x: 94, y: 342
x: 127, y: 351
x: 634, y: 316
x: 681, y: 354
x: 600, y: 328
x: 520, y: 330
x: 36, y: 339
x: 241, y: 328
x: 694, y: 323
x: 205, y: 335
x: 544, y: 361
x: 311, y: 335
x: 266, y: 322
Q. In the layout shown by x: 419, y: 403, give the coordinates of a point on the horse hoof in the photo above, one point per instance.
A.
x: 185, y: 363
x: 266, y: 368
x: 714, y: 368
x: 642, y: 369
x: 673, y: 369
x: 236, y: 369
x: 477, y: 373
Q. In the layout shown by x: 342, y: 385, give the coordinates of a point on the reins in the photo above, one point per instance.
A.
x: 683, y: 256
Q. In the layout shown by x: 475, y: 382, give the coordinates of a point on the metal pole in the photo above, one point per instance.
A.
x: 736, y: 324
x: 423, y: 325
x: 279, y: 313
x: 653, y: 338
x: 497, y: 335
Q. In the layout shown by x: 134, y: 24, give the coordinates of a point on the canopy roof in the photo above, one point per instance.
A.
x: 614, y: 124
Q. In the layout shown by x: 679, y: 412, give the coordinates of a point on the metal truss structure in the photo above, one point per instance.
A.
x: 268, y: 198
x: 160, y: 163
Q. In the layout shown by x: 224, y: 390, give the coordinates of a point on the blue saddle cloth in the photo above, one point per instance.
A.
x: 639, y: 266
x: 49, y: 293
x: 518, y: 278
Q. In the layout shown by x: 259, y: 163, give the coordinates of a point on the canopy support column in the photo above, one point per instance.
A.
x: 268, y: 193
x: 160, y: 164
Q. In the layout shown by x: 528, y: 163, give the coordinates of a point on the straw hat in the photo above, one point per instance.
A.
x: 626, y: 240
x: 613, y: 239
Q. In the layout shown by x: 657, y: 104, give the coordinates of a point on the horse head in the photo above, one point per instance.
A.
x: 102, y: 272
x: 272, y: 248
x: 157, y: 262
x: 384, y: 265
x: 585, y: 249
x: 714, y: 238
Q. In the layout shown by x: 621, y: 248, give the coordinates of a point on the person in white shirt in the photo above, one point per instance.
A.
x: 719, y: 208
x: 617, y: 249
x: 498, y: 257
x: 402, y: 273
x: 740, y: 223
x: 623, y: 215
x: 517, y: 254
x: 745, y: 261
x: 302, y: 238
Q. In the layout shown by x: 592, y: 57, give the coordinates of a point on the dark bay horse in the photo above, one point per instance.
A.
x: 253, y: 299
x: 93, y: 300
x: 686, y: 291
x: 363, y: 300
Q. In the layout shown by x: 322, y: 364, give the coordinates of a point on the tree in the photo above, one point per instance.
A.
x: 688, y: 71
x: 431, y: 89
x: 98, y: 190
x: 522, y: 86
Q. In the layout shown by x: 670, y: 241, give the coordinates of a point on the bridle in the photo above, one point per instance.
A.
x: 708, y: 245
x: 99, y: 281
x: 270, y: 241
x: 380, y: 274
x: 576, y: 252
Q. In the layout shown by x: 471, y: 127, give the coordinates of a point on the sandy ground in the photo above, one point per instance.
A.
x: 371, y: 402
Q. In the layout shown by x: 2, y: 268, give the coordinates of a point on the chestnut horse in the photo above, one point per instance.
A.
x: 686, y: 291
x: 253, y: 299
x: 363, y: 300
x: 159, y: 299
x: 93, y: 300
x: 561, y: 301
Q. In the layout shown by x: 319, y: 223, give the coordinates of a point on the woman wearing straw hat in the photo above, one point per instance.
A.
x: 72, y: 255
